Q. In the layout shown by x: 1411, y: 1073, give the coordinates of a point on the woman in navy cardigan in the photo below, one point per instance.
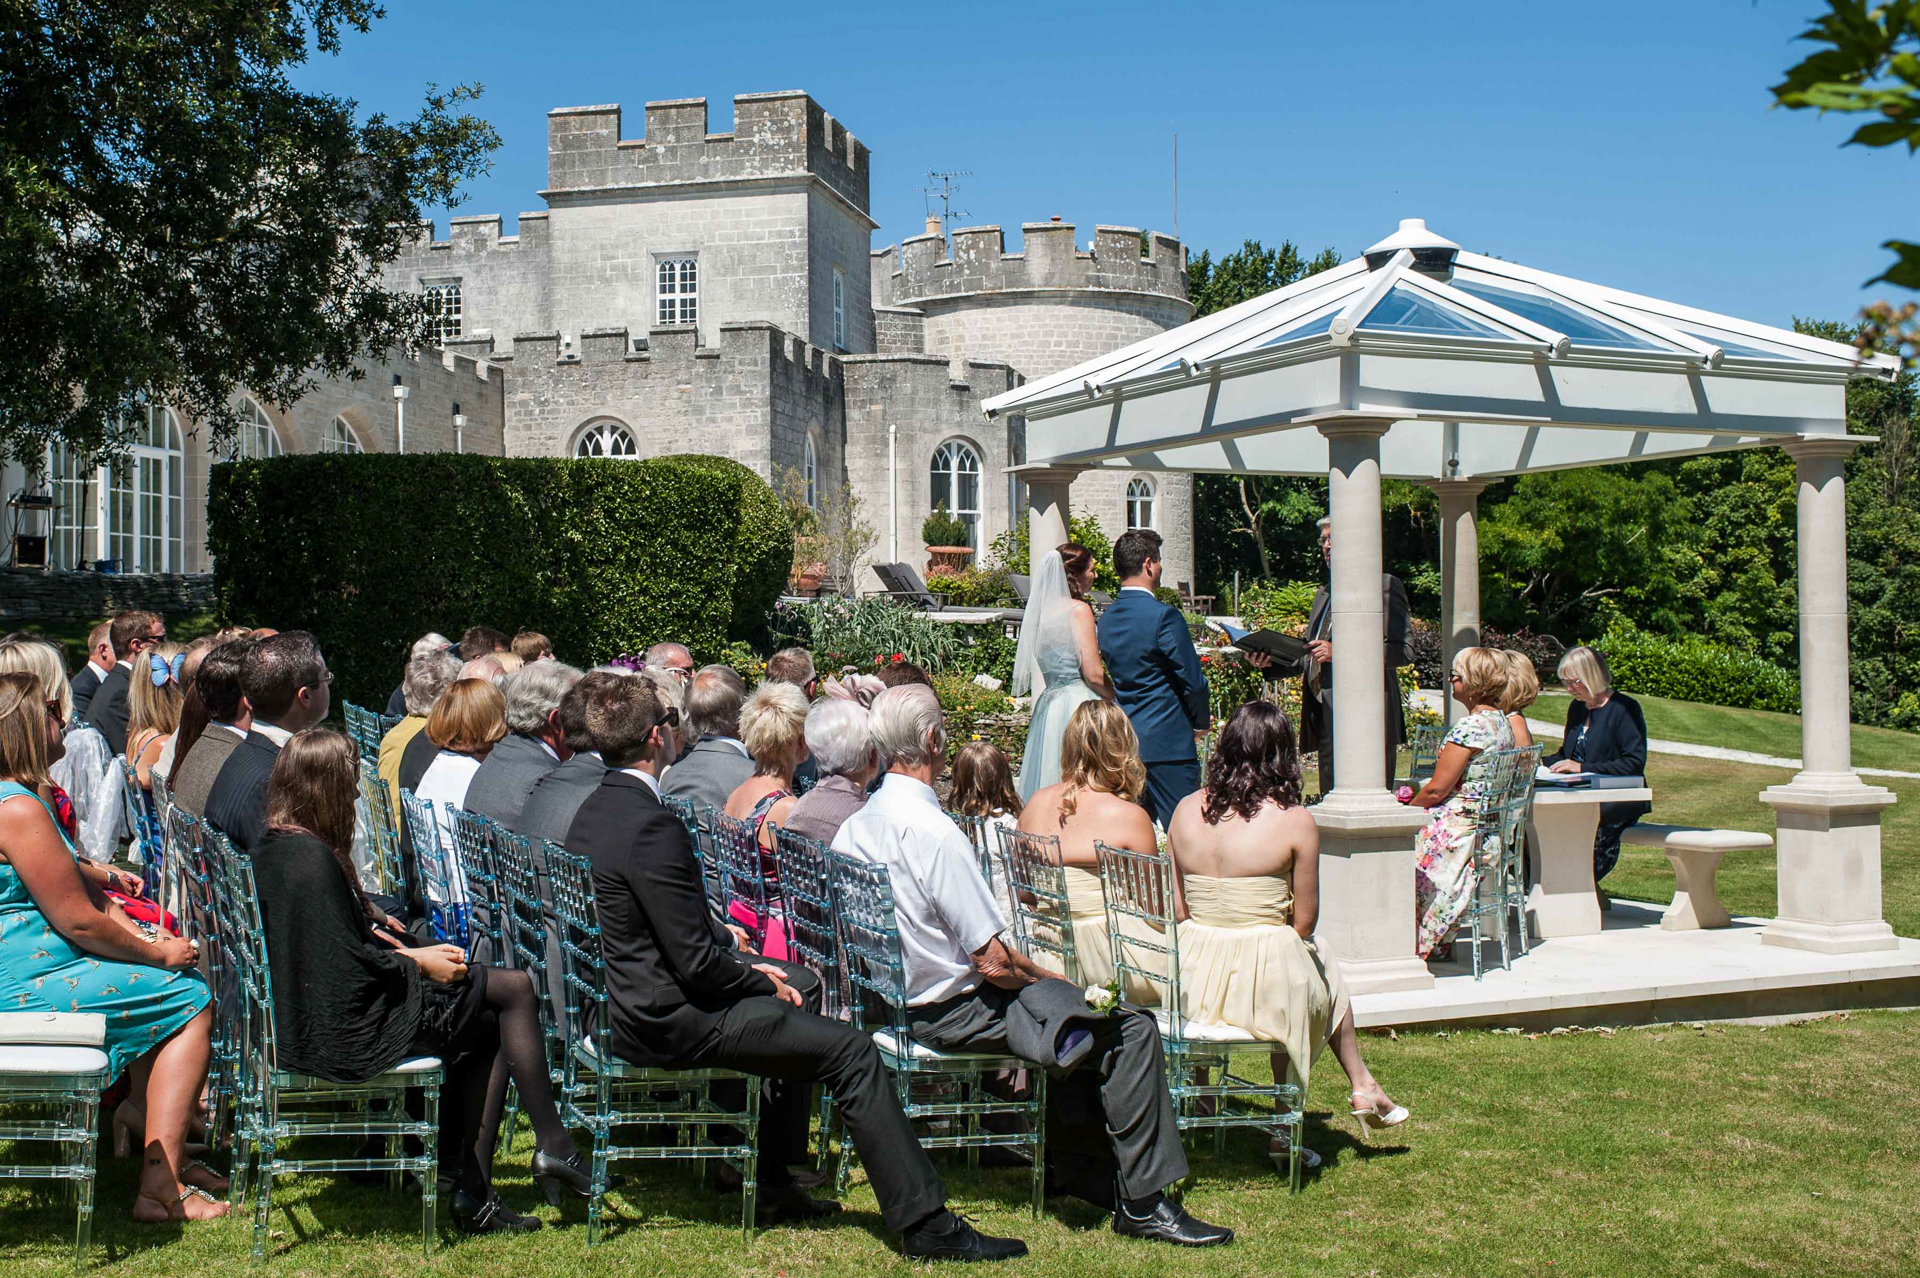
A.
x: 1606, y: 733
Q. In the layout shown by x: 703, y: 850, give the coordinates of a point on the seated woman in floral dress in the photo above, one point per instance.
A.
x: 1458, y: 792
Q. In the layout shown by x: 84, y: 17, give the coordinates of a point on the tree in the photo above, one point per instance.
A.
x: 177, y: 220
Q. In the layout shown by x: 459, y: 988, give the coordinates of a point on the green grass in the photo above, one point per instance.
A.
x: 1727, y: 1150
x: 1759, y: 730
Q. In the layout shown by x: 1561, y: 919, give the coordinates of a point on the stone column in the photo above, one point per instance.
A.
x: 1459, y: 576
x: 1047, y: 492
x: 1366, y: 837
x: 1829, y: 819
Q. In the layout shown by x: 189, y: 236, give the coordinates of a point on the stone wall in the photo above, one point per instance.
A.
x: 923, y: 268
x: 503, y: 278
x: 31, y: 600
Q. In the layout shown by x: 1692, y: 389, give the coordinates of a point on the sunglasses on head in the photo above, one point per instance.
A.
x: 162, y: 670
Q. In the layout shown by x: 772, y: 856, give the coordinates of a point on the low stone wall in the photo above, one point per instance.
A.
x: 29, y: 599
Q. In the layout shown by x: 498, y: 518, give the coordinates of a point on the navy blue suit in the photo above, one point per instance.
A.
x: 1158, y: 681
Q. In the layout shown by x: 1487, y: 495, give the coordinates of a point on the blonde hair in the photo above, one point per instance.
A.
x: 509, y: 662
x: 1100, y: 752
x: 773, y: 724
x: 23, y: 728
x: 42, y: 659
x: 469, y: 718
x: 151, y: 709
x: 1589, y: 667
x: 1483, y: 676
x: 1523, y: 681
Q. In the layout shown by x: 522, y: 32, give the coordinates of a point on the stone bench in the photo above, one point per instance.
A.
x: 1695, y: 856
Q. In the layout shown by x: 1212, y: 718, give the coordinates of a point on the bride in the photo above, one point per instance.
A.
x: 1058, y: 658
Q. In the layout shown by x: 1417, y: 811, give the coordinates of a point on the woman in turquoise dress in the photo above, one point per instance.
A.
x: 1058, y: 659
x: 65, y: 948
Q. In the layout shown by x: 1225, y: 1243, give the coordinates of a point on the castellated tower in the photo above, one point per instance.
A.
x: 1048, y: 307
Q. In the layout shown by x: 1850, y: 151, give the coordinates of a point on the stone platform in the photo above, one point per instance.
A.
x: 1632, y: 973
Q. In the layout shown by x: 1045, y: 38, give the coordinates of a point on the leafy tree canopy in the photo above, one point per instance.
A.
x: 176, y: 219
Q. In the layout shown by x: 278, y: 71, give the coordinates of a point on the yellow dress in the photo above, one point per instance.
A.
x: 1092, y: 950
x: 1242, y: 964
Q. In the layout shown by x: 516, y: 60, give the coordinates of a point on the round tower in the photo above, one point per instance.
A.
x: 1050, y: 306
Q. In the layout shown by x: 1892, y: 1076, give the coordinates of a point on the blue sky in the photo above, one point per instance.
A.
x: 1628, y: 143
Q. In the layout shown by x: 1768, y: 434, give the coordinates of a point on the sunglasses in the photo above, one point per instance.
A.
x: 164, y: 671
x: 670, y: 717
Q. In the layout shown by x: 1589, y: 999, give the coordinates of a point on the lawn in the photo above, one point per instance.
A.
x: 1762, y: 731
x: 1721, y: 1150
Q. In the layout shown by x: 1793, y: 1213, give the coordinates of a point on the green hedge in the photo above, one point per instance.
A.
x: 603, y: 556
x: 1696, y: 670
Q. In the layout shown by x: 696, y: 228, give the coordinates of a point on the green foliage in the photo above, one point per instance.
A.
x: 980, y: 714
x: 1249, y: 271
x: 762, y: 551
x: 975, y: 588
x: 830, y: 531
x: 1697, y: 670
x: 867, y: 632
x: 1009, y: 551
x: 180, y: 219
x: 942, y: 528
x: 371, y: 551
x: 1282, y: 606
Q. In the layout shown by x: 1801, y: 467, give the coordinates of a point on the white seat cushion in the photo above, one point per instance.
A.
x: 417, y: 1065
x: 1201, y: 1032
x: 18, y: 1059
x: 1691, y: 838
x: 49, y: 1029
x: 915, y: 1050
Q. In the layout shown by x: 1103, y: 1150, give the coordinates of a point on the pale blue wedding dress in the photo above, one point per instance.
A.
x: 1048, y: 662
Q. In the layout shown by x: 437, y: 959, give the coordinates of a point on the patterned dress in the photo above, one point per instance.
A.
x: 1443, y: 878
x: 41, y: 971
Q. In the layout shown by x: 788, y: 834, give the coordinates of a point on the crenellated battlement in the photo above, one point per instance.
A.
x: 774, y: 135
x: 669, y: 348
x: 921, y: 270
x: 481, y: 234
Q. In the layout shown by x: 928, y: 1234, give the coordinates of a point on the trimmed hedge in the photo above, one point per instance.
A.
x: 1696, y: 670
x: 601, y: 555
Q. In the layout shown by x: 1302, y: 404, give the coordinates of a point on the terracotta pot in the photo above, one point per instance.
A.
x: 807, y: 578
x: 948, y: 559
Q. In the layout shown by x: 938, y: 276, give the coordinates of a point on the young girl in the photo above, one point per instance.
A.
x: 983, y: 787
x: 154, y: 695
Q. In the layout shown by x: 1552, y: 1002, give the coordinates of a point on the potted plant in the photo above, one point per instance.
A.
x: 946, y: 537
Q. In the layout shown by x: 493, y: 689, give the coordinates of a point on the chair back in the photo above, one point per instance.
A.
x: 806, y: 884
x: 1141, y: 927
x: 143, y: 826
x: 244, y: 936
x: 179, y: 835
x: 1517, y: 802
x: 697, y: 817
x: 363, y: 730
x: 743, y: 874
x: 382, y: 832
x: 1425, y: 745
x: 870, y: 945
x: 446, y: 903
x: 475, y: 837
x: 523, y: 923
x: 975, y: 828
x: 1493, y: 774
x: 576, y: 917
x: 1037, y: 887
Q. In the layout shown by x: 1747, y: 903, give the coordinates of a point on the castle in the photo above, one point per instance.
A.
x: 687, y: 291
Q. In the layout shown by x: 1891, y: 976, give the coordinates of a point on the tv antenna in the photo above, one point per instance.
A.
x: 944, y: 192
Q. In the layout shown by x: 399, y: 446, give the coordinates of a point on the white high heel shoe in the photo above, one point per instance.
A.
x: 1372, y: 1120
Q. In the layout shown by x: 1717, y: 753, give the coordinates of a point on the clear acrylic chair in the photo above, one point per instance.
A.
x: 186, y: 859
x: 143, y: 828
x: 813, y: 939
x: 475, y: 838
x: 439, y: 873
x: 1037, y: 890
x: 870, y: 948
x: 278, y: 1107
x: 50, y: 1095
x: 1425, y: 747
x: 604, y: 1093
x: 360, y: 730
x: 383, y: 832
x: 750, y: 900
x: 529, y: 939
x: 975, y: 828
x: 1495, y: 775
x: 1145, y: 936
x: 698, y: 817
x: 1513, y: 838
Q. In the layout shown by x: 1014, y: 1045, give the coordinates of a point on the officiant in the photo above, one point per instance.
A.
x: 1315, y: 667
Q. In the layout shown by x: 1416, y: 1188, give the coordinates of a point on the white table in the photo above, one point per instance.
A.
x: 1561, y: 893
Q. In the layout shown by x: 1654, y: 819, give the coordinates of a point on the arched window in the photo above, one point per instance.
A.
x: 1140, y: 503
x: 341, y: 438
x: 605, y: 439
x: 812, y: 472
x: 144, y: 495
x: 256, y: 436
x: 955, y: 482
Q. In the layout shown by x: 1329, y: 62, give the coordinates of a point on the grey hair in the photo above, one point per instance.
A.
x: 1588, y: 666
x: 628, y: 671
x: 1325, y: 521
x: 533, y: 693
x: 427, y: 677
x: 484, y: 668
x: 432, y: 641
x: 839, y: 737
x: 658, y: 654
x: 903, y: 719
x: 672, y: 689
x: 713, y: 703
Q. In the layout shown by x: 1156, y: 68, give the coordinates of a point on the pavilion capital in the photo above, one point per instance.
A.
x: 1047, y: 473
x: 1352, y: 427
x: 1812, y: 446
x: 1460, y: 488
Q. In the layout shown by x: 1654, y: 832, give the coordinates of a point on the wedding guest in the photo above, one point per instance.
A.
x: 556, y: 797
x: 1097, y: 797
x: 405, y: 750
x: 672, y: 658
x: 1246, y: 857
x: 229, y: 719
x: 65, y: 948
x: 795, y: 666
x: 466, y: 724
x: 1458, y: 793
x: 353, y: 998
x: 1606, y: 733
x: 193, y: 710
x: 483, y: 641
x: 286, y: 681
x: 981, y: 785
x: 773, y: 725
x: 430, y: 642
x: 133, y: 633
x: 1122, y: 1146
x: 531, y: 646
x: 842, y: 749
x: 534, y: 745
x: 490, y: 667
x: 718, y: 764
x: 153, y: 707
x: 99, y: 666
x: 1523, y: 688
x: 895, y: 674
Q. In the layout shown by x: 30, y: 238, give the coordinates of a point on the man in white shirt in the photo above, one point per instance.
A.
x: 968, y: 992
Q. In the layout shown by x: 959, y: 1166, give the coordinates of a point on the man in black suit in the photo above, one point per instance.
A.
x: 534, y: 744
x: 99, y: 666
x: 683, y: 997
x: 132, y: 633
x: 285, y: 680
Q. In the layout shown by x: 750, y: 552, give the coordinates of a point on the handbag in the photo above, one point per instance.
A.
x: 54, y: 1029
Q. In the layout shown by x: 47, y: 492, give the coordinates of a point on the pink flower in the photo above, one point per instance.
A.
x: 1404, y: 794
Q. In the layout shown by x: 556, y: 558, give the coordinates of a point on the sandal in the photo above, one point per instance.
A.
x: 193, y: 1165
x: 1279, y: 1151
x: 189, y: 1191
x: 1371, y: 1119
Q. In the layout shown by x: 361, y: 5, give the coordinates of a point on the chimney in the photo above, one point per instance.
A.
x: 1054, y: 218
x: 933, y: 224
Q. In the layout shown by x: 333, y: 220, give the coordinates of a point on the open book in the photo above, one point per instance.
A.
x: 1284, y: 649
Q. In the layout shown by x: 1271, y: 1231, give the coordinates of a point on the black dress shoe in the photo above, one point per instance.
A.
x: 725, y: 1177
x: 572, y: 1174
x: 950, y: 1237
x: 489, y: 1217
x: 789, y: 1206
x: 1170, y: 1223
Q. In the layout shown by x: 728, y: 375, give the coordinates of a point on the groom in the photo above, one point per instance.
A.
x: 1156, y: 674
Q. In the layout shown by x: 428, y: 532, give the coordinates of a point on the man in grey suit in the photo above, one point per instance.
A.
x: 719, y: 763
x: 556, y: 797
x: 229, y: 719
x: 534, y: 744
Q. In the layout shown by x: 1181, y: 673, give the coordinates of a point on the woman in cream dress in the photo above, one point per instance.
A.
x: 1247, y: 862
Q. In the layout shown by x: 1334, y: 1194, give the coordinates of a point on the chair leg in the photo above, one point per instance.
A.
x: 1039, y: 1143
x: 750, y: 1166
x: 429, y: 1166
x: 263, y: 1199
x: 88, y: 1118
